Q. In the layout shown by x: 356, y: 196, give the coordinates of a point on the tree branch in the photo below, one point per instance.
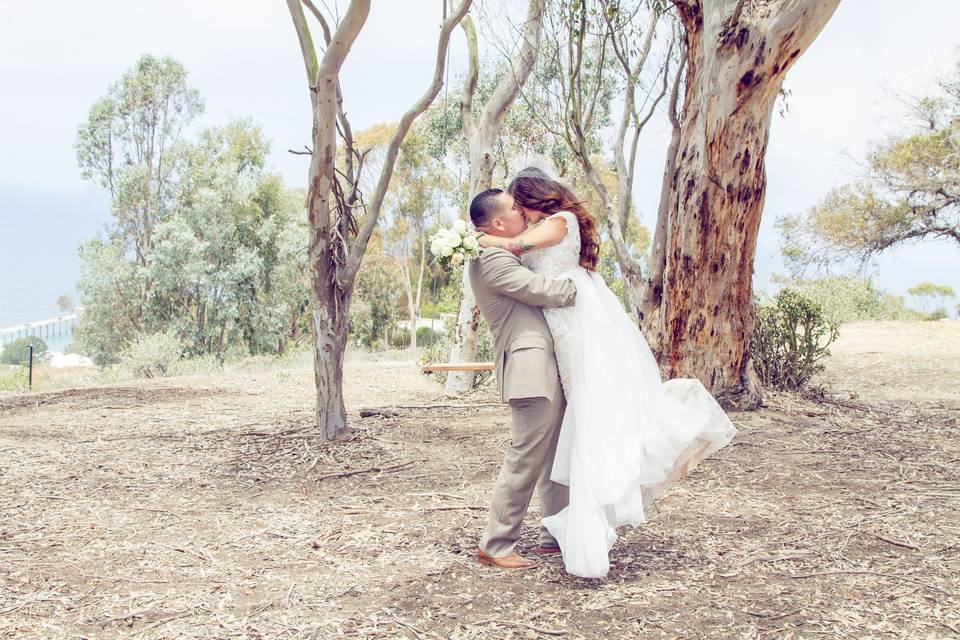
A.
x: 306, y: 43
x: 470, y: 84
x: 319, y: 16
x: 345, y: 130
x: 520, y: 66
x: 346, y: 275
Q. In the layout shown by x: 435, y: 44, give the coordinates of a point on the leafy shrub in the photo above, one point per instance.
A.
x: 790, y: 337
x: 894, y: 307
x: 427, y: 336
x: 13, y: 379
x: 16, y: 352
x: 400, y: 338
x: 151, y: 356
x: 938, y: 314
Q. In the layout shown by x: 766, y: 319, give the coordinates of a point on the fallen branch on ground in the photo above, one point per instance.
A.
x: 392, y: 411
x: 354, y: 472
x: 546, y: 632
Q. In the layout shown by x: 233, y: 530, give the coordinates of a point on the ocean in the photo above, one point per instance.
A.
x: 40, y: 231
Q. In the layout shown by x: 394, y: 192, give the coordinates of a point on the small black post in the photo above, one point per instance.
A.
x: 30, y: 374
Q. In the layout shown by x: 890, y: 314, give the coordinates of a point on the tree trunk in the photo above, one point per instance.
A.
x: 736, y: 64
x: 330, y: 340
x: 415, y: 299
x: 482, y: 138
x: 653, y: 289
x: 328, y: 297
x: 412, y: 308
x: 334, y: 260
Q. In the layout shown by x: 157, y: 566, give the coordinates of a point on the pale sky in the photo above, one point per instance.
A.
x: 58, y: 57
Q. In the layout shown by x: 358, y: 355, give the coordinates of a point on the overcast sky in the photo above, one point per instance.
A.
x: 58, y: 57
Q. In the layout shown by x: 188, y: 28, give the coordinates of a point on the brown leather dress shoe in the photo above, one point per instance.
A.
x: 547, y: 550
x: 506, y: 562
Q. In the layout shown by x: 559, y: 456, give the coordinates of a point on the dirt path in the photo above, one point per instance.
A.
x: 205, y: 507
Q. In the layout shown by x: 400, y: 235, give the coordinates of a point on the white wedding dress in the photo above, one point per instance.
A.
x: 626, y: 436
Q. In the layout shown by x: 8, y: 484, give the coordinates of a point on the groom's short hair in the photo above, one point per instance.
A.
x: 484, y: 206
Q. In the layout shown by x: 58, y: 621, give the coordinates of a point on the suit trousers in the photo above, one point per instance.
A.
x: 527, y: 463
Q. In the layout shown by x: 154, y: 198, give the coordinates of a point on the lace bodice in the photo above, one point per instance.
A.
x: 550, y: 262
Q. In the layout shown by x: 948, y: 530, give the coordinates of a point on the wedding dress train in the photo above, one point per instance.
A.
x: 626, y: 435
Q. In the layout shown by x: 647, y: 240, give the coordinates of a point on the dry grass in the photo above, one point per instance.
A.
x: 204, y: 506
x: 14, y: 380
x: 917, y: 363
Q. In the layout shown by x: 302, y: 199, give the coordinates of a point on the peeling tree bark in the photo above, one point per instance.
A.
x: 482, y: 137
x: 738, y: 53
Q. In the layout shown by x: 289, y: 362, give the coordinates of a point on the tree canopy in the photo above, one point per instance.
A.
x: 909, y: 191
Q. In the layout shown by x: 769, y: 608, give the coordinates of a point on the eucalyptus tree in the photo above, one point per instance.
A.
x: 599, y: 84
x: 416, y: 202
x: 909, y: 191
x: 927, y: 293
x: 738, y: 53
x: 203, y: 242
x: 341, y: 217
x: 128, y: 146
x: 481, y: 131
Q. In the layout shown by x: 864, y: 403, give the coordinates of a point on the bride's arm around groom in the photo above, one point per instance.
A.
x: 503, y: 273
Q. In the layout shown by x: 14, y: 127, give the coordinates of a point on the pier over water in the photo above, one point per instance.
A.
x: 59, y: 327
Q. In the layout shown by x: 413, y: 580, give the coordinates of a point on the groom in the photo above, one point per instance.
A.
x: 510, y: 297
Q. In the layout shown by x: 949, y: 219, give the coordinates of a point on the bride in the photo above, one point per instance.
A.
x: 626, y: 435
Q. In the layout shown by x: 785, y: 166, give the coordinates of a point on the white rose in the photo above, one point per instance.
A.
x: 435, y: 247
x: 454, y: 239
x: 456, y: 259
x: 460, y: 226
x: 446, y: 251
x: 470, y: 243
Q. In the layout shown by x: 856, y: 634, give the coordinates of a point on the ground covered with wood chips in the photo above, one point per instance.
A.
x: 206, y: 507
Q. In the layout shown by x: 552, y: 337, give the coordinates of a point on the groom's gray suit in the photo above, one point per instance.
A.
x: 510, y: 297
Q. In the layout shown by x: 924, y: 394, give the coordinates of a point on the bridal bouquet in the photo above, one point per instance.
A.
x: 454, y: 245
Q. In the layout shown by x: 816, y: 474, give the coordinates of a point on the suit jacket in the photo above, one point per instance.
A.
x: 510, y: 297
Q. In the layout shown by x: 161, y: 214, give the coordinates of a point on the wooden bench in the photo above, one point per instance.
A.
x: 458, y: 366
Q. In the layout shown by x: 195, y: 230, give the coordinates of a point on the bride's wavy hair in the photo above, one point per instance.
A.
x: 534, y: 189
